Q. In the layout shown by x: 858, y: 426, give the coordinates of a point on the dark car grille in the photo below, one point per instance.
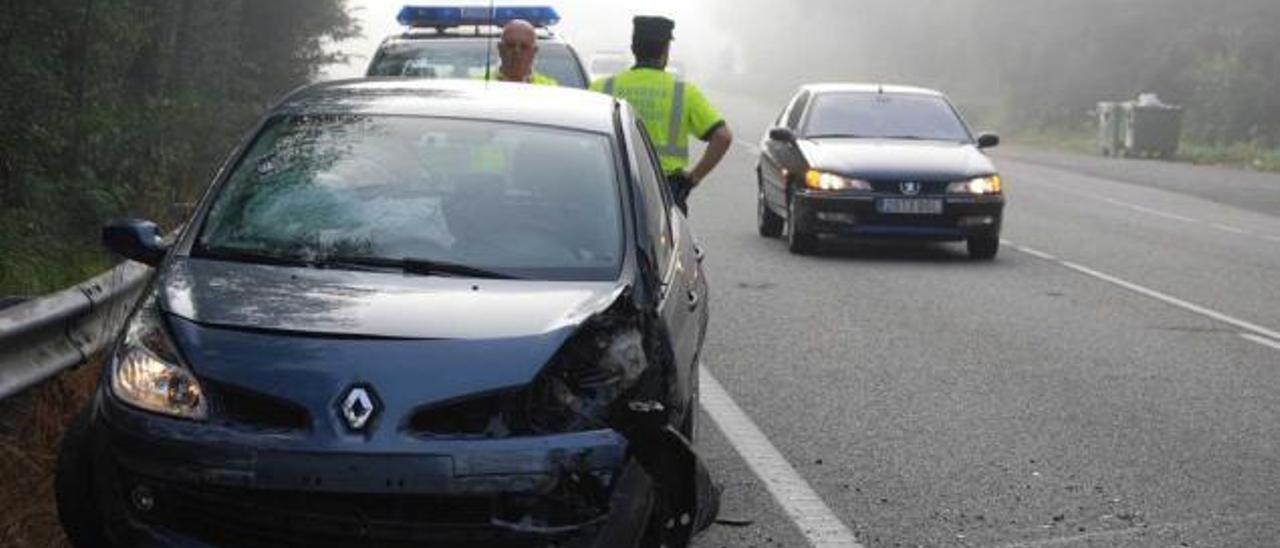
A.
x: 492, y: 416
x: 927, y: 188
x: 247, y: 410
x: 249, y: 518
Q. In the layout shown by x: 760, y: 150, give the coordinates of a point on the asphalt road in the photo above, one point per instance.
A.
x: 1112, y: 379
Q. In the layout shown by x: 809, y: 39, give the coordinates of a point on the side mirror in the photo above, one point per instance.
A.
x: 988, y: 140
x: 782, y: 135
x: 135, y: 239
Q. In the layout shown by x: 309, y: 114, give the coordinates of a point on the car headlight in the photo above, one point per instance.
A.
x: 819, y: 180
x: 147, y: 372
x: 980, y: 185
x: 594, y: 370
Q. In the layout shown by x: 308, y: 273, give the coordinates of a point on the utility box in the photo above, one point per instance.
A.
x: 1146, y: 128
x: 1152, y: 128
x: 1110, y: 129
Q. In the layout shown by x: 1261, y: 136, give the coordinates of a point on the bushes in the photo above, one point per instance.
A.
x: 116, y: 108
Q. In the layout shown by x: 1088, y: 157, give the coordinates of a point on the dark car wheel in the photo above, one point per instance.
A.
x: 73, y: 486
x: 983, y: 248
x: 768, y: 222
x: 798, y: 241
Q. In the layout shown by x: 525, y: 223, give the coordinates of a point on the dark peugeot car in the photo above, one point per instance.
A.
x: 408, y: 313
x: 871, y: 161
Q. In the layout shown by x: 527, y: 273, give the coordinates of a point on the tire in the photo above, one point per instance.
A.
x: 767, y: 222
x: 983, y: 248
x: 799, y: 243
x: 73, y: 486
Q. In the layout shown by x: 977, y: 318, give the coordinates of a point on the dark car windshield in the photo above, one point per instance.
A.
x: 465, y: 59
x: 884, y: 116
x: 345, y: 191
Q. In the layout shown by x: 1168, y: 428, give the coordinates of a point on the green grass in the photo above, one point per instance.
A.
x: 1251, y: 156
x: 36, y: 262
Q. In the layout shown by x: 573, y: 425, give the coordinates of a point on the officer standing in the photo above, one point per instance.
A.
x: 671, y: 108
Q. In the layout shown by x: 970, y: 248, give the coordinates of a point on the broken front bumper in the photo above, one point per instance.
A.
x: 168, y: 482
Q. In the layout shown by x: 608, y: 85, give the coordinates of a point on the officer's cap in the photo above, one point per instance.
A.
x: 653, y: 29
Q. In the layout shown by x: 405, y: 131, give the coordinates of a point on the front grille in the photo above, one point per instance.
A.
x: 250, y: 518
x: 247, y: 410
x: 489, y: 416
x: 927, y: 188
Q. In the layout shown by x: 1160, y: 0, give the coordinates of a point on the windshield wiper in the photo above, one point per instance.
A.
x: 916, y: 138
x: 425, y: 267
x: 837, y: 136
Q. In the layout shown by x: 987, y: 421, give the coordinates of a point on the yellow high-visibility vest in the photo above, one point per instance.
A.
x: 671, y: 108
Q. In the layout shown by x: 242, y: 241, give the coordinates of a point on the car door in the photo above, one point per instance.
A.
x: 781, y: 161
x: 682, y: 307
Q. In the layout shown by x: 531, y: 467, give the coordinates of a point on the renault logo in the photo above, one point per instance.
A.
x: 910, y: 188
x: 359, y: 407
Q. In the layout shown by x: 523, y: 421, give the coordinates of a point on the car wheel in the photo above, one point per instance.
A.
x: 798, y: 242
x: 984, y: 248
x: 768, y: 222
x: 73, y: 486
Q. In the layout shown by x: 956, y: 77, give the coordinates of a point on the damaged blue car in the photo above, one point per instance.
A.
x: 408, y: 313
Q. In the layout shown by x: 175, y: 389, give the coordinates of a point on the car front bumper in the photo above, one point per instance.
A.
x: 165, y: 482
x: 857, y: 215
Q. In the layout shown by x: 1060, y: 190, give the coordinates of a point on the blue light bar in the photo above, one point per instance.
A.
x: 442, y: 17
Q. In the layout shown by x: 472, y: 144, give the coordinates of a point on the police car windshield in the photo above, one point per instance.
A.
x: 884, y: 116
x: 464, y: 58
x: 511, y: 200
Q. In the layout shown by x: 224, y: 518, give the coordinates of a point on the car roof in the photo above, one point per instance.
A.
x: 494, y: 101
x: 870, y: 88
x: 418, y: 36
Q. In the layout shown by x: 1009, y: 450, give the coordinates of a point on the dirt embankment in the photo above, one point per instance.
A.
x: 31, y: 426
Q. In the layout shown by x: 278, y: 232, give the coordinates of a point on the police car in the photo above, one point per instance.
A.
x: 459, y: 42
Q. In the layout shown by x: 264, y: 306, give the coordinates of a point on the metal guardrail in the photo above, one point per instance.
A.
x: 41, y: 337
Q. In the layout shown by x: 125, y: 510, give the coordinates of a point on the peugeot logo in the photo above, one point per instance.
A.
x: 359, y: 407
x: 910, y: 188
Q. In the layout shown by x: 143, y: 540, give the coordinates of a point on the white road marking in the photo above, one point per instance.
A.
x: 1164, y: 214
x: 1230, y: 229
x: 809, y: 513
x: 1029, y: 251
x: 1262, y: 341
x: 1147, y: 210
x: 1162, y: 297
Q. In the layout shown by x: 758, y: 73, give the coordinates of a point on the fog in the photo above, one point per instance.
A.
x: 1021, y: 66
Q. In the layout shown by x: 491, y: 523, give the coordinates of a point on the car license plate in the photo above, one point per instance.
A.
x: 908, y: 206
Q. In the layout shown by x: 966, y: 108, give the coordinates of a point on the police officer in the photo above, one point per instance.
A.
x: 517, y: 49
x: 672, y: 109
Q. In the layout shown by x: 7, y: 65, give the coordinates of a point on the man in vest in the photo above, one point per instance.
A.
x: 517, y: 50
x: 672, y: 109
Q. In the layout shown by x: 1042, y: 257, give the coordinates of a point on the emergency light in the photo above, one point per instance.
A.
x: 442, y: 17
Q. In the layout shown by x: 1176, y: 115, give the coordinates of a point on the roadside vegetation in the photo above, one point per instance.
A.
x: 112, y: 108
x: 1083, y: 140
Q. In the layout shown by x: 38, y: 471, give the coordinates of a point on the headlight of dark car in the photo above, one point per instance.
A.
x: 990, y: 184
x: 596, y: 368
x: 147, y: 372
x: 819, y: 180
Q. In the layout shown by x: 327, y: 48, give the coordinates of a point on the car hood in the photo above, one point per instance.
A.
x: 876, y: 159
x: 375, y: 305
